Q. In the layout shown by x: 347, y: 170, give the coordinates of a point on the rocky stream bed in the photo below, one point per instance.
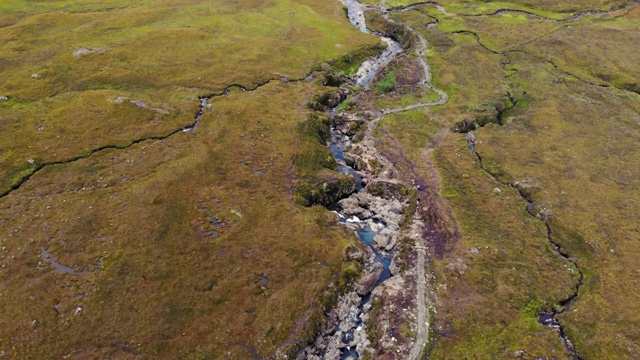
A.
x: 389, y: 301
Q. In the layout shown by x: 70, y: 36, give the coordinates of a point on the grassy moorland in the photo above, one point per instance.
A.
x: 164, y: 54
x: 552, y: 102
x: 120, y: 241
x: 122, y: 236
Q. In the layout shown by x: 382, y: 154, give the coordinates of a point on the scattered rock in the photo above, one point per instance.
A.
x: 458, y: 266
x: 139, y: 103
x: 85, y: 51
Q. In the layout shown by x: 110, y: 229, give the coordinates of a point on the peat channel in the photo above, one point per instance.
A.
x: 204, y: 104
x: 546, y: 317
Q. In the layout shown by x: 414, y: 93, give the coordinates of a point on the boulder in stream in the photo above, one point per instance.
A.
x: 350, y: 207
x: 368, y: 281
x: 381, y: 241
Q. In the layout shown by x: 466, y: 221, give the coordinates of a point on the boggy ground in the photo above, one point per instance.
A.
x: 122, y: 236
x: 549, y: 95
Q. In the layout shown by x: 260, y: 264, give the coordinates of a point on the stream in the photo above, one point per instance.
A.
x: 377, y: 223
x: 345, y: 337
x: 370, y: 67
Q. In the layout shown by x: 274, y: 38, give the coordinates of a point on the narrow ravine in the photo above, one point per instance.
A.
x: 376, y: 219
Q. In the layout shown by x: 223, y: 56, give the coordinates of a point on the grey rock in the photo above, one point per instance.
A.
x: 345, y: 304
x: 330, y: 326
x: 368, y: 281
x: 360, y: 340
x: 350, y: 207
x: 391, y: 244
x: 458, y: 266
x: 381, y: 241
x: 387, y: 190
x: 302, y: 355
x: 333, y: 349
x: 345, y: 326
x: 321, y: 343
x: 85, y: 51
x: 4, y: 98
x: 350, y: 159
x: 395, y: 266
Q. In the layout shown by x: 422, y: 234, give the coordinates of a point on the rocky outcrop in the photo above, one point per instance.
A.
x: 387, y: 189
x: 85, y: 51
x: 342, y: 330
x: 326, y: 190
x: 328, y: 100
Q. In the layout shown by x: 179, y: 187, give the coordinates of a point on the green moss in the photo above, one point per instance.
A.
x: 347, y: 276
x: 387, y: 84
x: 450, y: 192
x: 313, y: 154
x: 345, y: 105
